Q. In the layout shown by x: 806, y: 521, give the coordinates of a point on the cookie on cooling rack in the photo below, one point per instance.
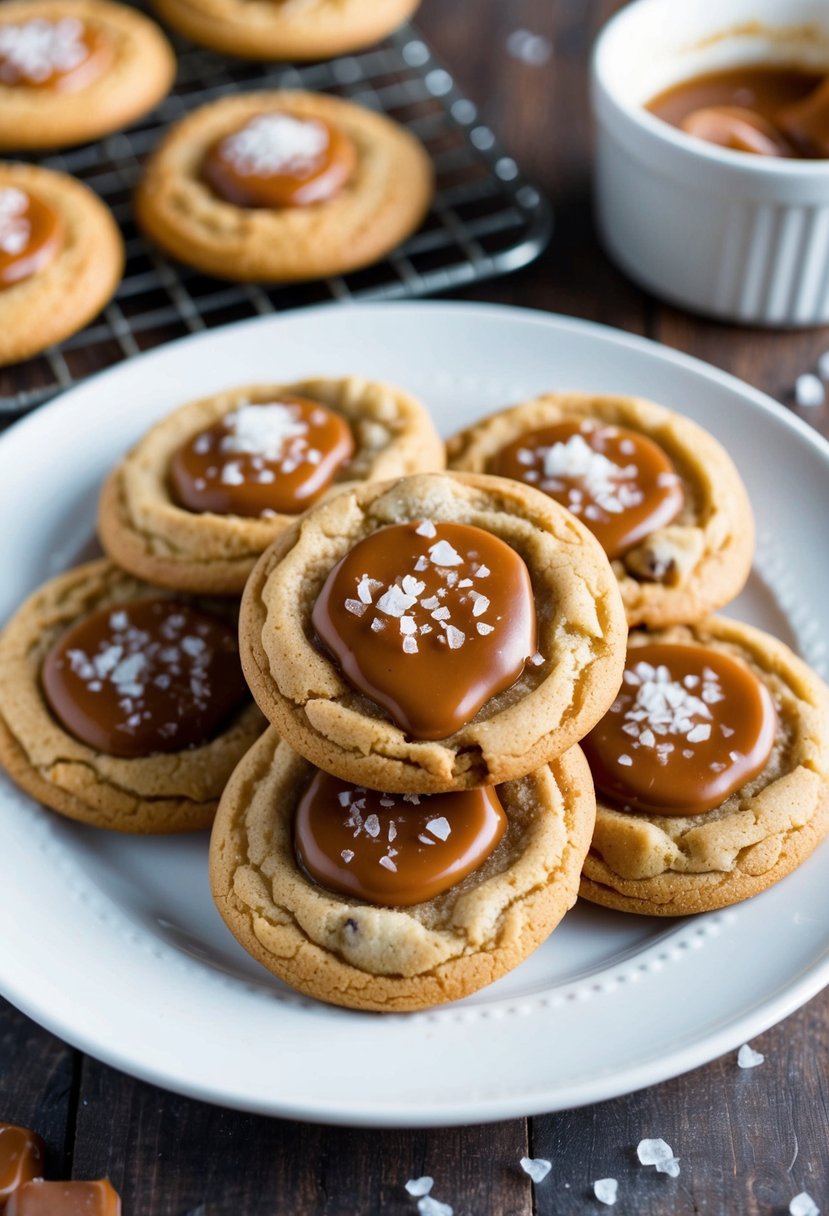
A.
x: 205, y: 492
x: 307, y: 29
x: 391, y: 903
x: 123, y: 706
x: 711, y: 769
x: 61, y: 258
x: 659, y: 492
x: 76, y: 70
x: 284, y: 186
x: 434, y: 633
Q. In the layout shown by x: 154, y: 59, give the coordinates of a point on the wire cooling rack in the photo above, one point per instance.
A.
x: 486, y: 219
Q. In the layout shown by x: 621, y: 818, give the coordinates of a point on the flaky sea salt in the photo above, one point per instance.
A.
x: 420, y: 1186
x: 804, y: 1205
x: 427, y: 1206
x: 747, y: 1057
x: 605, y: 1190
x: 426, y: 528
x: 443, y: 554
x: 809, y: 391
x: 276, y: 143
x: 439, y: 827
x: 537, y: 1167
x: 660, y: 1155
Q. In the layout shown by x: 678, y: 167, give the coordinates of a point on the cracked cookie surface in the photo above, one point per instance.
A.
x: 174, y: 792
x: 684, y: 570
x: 383, y: 201
x: 149, y: 534
x: 394, y: 959
x: 581, y: 639
x: 677, y: 865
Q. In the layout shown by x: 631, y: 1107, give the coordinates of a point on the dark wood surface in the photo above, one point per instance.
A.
x: 748, y: 1140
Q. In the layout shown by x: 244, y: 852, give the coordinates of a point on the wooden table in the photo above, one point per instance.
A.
x: 748, y: 1140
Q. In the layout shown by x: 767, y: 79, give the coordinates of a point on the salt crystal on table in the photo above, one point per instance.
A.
x: 660, y: 1154
x: 809, y: 390
x: 537, y: 1167
x: 420, y: 1186
x: 427, y: 1206
x: 804, y: 1205
x: 605, y: 1190
x: 747, y: 1057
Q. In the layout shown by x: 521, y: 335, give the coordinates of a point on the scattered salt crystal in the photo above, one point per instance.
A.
x: 625, y: 761
x: 355, y: 607
x: 483, y: 628
x: 443, y: 554
x: 427, y: 1206
x: 344, y: 797
x: 747, y: 1057
x: 439, y: 827
x: 410, y: 645
x: 347, y: 855
x: 366, y: 588
x: 388, y: 864
x: 537, y: 1167
x: 408, y: 624
x: 420, y: 1186
x: 394, y: 601
x: 670, y: 1167
x: 377, y: 625
x: 480, y: 603
x: 699, y: 733
x: 455, y: 637
x: 426, y: 528
x: 537, y: 659
x: 482, y: 572
x: 823, y: 366
x: 413, y: 586
x: 654, y: 1152
x: 605, y: 1190
x: 422, y: 564
x: 372, y: 825
x: 809, y: 391
x: 804, y: 1205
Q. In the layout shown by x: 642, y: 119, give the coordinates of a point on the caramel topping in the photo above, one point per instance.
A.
x: 31, y: 232
x: 765, y: 110
x: 41, y: 1198
x: 619, y: 483
x: 689, y: 727
x: 430, y: 621
x: 145, y: 677
x: 22, y: 1155
x: 262, y: 460
x: 280, y: 160
x: 62, y: 54
x: 394, y: 849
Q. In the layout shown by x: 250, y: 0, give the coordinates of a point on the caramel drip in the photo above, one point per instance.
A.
x: 393, y: 849
x: 31, y: 234
x: 263, y: 459
x: 689, y: 727
x: 144, y: 677
x: 280, y: 160
x: 619, y: 483
x: 430, y: 621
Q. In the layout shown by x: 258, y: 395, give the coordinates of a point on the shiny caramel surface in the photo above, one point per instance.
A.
x: 619, y: 483
x: 262, y: 459
x: 280, y: 160
x: 688, y: 728
x: 429, y: 620
x: 22, y: 1157
x: 41, y: 1198
x: 31, y: 234
x: 394, y: 850
x: 144, y: 677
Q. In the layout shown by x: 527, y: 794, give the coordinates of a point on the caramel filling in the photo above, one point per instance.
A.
x: 393, y: 849
x: 41, y: 1198
x: 689, y: 727
x: 64, y: 54
x: 429, y: 620
x: 619, y: 483
x: 22, y: 1157
x: 31, y: 233
x: 765, y: 110
x: 280, y: 160
x: 262, y: 460
x: 145, y: 677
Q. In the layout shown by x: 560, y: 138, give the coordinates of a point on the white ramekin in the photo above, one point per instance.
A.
x: 733, y: 235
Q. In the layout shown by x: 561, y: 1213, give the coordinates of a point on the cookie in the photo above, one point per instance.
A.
x: 260, y: 29
x: 524, y: 600
x: 758, y: 789
x: 660, y: 492
x: 61, y: 258
x: 76, y: 70
x: 263, y: 462
x: 121, y: 706
x: 283, y: 186
x: 349, y: 952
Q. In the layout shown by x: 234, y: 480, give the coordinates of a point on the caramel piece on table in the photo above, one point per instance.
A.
x: 39, y: 1198
x: 22, y: 1154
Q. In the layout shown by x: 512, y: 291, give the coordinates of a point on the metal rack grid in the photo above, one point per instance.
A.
x: 486, y: 219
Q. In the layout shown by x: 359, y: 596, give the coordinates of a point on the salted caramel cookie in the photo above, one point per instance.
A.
x: 659, y: 492
x: 434, y: 633
x: 120, y: 705
x: 284, y: 186
x: 76, y: 70
x: 205, y: 492
x: 396, y: 922
x: 712, y: 771
x: 288, y: 29
x: 61, y: 258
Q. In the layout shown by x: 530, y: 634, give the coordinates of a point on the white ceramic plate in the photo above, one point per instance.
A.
x: 114, y: 943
